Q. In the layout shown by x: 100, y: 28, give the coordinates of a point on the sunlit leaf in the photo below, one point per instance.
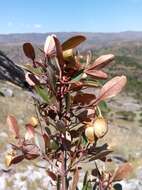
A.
x: 73, y: 42
x: 97, y: 74
x: 101, y: 62
x: 49, y: 46
x: 112, y: 88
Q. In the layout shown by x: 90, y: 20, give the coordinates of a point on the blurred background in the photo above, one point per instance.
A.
x: 110, y: 27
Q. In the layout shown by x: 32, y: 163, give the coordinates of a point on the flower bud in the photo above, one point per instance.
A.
x: 89, y: 133
x: 100, y: 127
x: 33, y: 121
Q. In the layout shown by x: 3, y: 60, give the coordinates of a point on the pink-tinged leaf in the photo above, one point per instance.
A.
x: 112, y: 88
x: 29, y: 50
x: 122, y: 172
x: 13, y: 126
x: 73, y: 42
x: 49, y: 46
x: 97, y: 74
x: 102, y: 61
x: 31, y: 79
x: 29, y: 132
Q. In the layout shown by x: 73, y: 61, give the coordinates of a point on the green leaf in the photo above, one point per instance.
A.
x: 54, y: 145
x: 85, y: 179
x: 28, y: 67
x: 84, y: 139
x: 78, y: 76
x: 43, y: 93
x: 103, y: 106
x: 39, y: 141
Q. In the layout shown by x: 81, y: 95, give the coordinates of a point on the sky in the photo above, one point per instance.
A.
x: 20, y: 16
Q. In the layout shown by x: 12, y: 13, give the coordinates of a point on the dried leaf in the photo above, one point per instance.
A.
x: 112, y: 88
x: 101, y: 62
x: 96, y: 74
x: 13, y: 126
x: 73, y: 42
x: 122, y: 172
x: 29, y: 50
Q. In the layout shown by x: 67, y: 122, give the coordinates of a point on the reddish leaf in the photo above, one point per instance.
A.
x: 76, y: 86
x: 29, y: 50
x: 112, y: 88
x: 86, y: 115
x: 30, y: 151
x: 13, y: 158
x: 52, y: 175
x: 59, y: 52
x: 122, y: 172
x: 96, y: 74
x: 17, y: 159
x: 102, y: 61
x: 83, y: 98
x: 73, y: 42
x: 13, y: 126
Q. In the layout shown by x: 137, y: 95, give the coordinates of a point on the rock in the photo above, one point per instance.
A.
x: 7, y: 92
x: 132, y: 184
x: 11, y: 72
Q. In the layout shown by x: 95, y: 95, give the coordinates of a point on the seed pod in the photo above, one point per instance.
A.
x: 100, y: 127
x: 33, y: 121
x: 89, y: 133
